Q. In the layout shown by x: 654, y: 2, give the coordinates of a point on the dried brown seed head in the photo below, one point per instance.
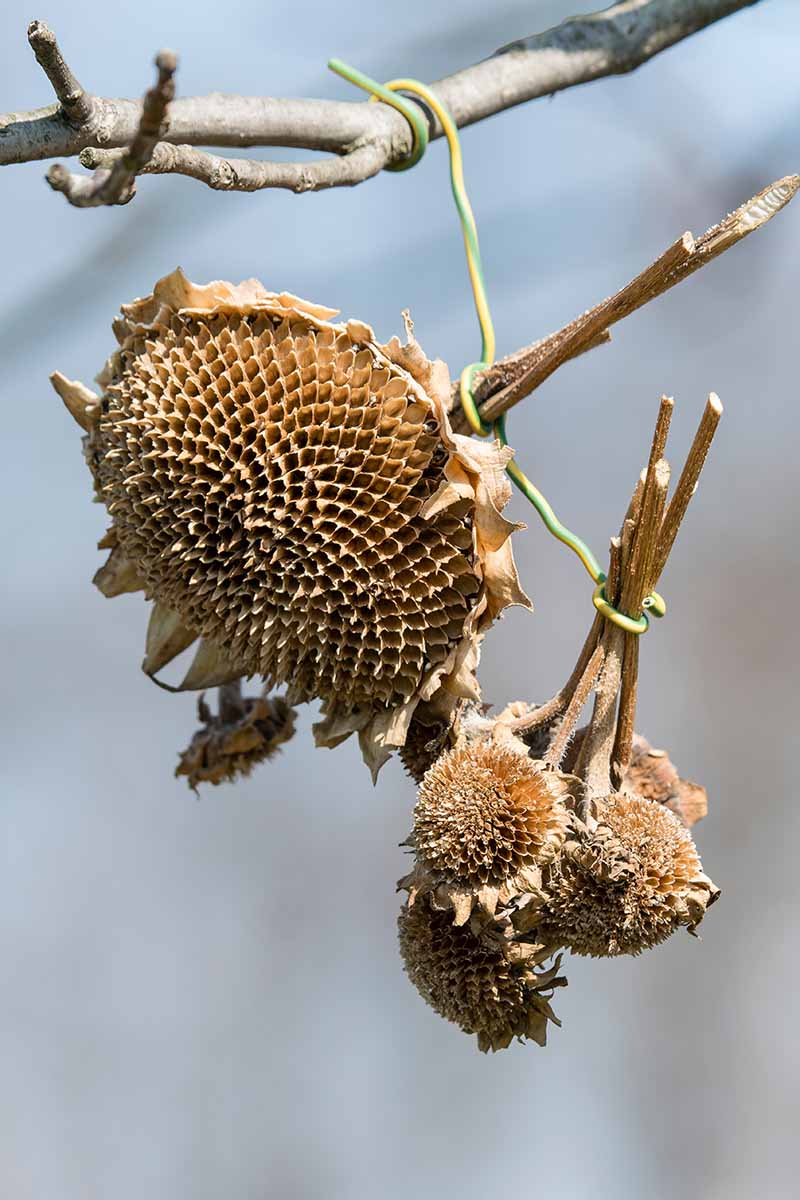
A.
x: 292, y: 491
x: 627, y: 884
x: 486, y: 812
x: 227, y: 749
x: 651, y: 774
x: 469, y: 979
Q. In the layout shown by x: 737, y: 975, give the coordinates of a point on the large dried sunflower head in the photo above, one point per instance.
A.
x: 485, y: 812
x: 292, y: 492
x: 627, y: 884
x: 470, y: 979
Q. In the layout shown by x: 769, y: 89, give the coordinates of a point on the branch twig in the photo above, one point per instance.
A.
x: 77, y: 106
x: 246, y: 174
x: 116, y: 183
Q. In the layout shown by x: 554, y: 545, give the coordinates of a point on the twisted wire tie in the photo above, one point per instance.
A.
x: 653, y: 605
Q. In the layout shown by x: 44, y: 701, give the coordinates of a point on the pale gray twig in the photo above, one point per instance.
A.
x: 76, y: 105
x: 249, y: 175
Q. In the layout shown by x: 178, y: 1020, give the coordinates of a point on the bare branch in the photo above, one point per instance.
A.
x: 612, y: 42
x: 616, y: 40
x: 116, y: 184
x: 247, y: 174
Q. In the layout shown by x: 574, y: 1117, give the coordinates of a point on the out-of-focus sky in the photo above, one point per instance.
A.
x: 202, y: 997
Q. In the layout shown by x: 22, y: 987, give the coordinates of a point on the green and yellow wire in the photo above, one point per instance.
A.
x: 388, y: 93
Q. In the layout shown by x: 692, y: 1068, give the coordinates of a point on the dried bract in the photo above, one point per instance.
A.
x: 291, y: 490
x: 470, y: 979
x: 627, y: 884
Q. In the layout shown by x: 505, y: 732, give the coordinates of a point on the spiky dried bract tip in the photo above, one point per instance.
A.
x: 469, y: 979
x: 225, y: 750
x: 626, y: 885
x: 486, y: 811
x: 292, y: 490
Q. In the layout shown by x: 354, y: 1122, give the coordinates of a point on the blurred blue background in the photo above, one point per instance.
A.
x: 203, y: 997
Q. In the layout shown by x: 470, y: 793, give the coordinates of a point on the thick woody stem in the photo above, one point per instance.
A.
x: 626, y: 716
x: 636, y: 585
x: 588, y: 329
x: 644, y: 539
x: 545, y: 714
x: 596, y: 669
x: 687, y: 484
x: 600, y: 729
x: 594, y: 760
x: 658, y: 445
x: 580, y: 694
x: 500, y: 387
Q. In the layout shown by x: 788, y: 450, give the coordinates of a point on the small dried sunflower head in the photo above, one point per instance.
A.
x: 227, y: 749
x: 627, y: 884
x: 473, y: 980
x: 486, y: 812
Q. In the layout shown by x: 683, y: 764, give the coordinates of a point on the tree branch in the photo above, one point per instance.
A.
x: 116, y: 183
x: 369, y: 137
x: 249, y: 175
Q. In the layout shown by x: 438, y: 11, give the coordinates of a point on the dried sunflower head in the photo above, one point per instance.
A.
x: 627, y: 884
x: 470, y: 979
x: 290, y: 491
x: 651, y: 774
x: 487, y: 819
x: 231, y: 743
